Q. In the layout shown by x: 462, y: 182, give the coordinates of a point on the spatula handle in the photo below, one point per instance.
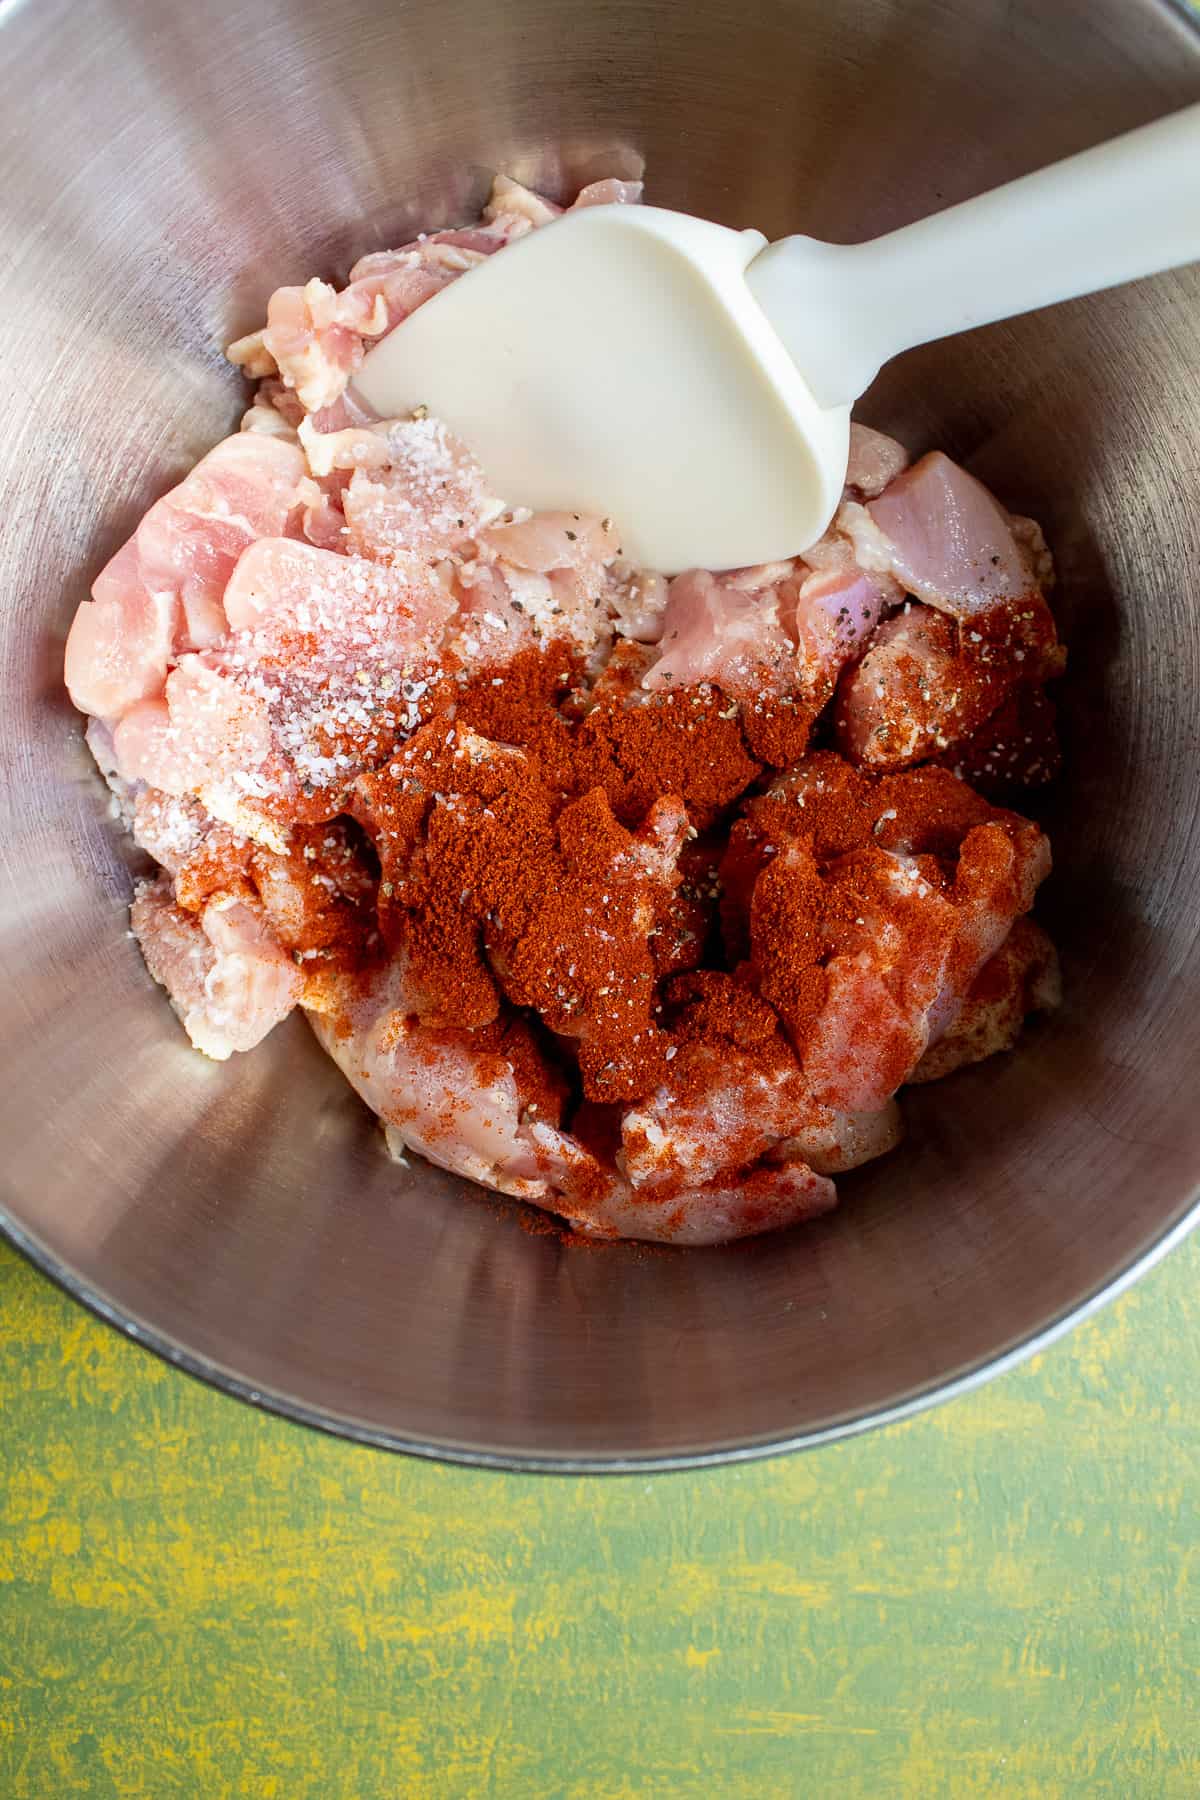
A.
x: 1127, y: 208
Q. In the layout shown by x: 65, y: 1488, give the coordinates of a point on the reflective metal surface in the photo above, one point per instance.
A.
x: 161, y: 168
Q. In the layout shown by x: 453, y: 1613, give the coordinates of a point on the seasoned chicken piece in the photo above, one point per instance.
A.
x: 609, y: 192
x: 866, y: 909
x: 457, y: 1097
x: 413, y: 487
x: 316, y: 604
x: 170, y: 827
x: 836, y: 1142
x: 536, y: 579
x: 875, y: 460
x: 461, y: 826
x: 1016, y: 748
x: 315, y: 334
x: 123, y: 794
x: 732, y: 1093
x: 717, y: 631
x: 836, y: 612
x: 518, y: 209
x: 600, y: 1203
x: 225, y: 974
x: 773, y: 638
x: 929, y: 682
x: 207, y: 739
x: 162, y: 592
x: 947, y: 540
x: 716, y: 1111
x: 551, y: 543
x: 328, y: 659
x: 638, y: 603
x: 1021, y: 978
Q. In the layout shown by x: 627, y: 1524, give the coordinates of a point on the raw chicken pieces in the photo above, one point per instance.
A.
x: 162, y: 592
x: 227, y: 977
x: 437, y: 1091
x: 632, y: 899
x: 947, y: 541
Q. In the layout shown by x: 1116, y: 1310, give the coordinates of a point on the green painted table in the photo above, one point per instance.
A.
x: 1000, y: 1598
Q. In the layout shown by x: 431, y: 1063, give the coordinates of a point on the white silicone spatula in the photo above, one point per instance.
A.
x: 695, y: 382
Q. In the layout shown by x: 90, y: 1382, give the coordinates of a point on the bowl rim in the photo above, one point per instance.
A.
x: 853, y: 1424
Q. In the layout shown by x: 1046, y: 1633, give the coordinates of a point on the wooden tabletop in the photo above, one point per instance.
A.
x: 1000, y: 1598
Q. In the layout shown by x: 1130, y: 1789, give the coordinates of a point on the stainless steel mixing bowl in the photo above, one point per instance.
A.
x: 162, y: 167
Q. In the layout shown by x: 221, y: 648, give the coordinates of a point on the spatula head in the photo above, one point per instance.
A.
x: 616, y: 363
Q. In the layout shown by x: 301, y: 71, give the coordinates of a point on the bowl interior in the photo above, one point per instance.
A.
x: 243, y: 1217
